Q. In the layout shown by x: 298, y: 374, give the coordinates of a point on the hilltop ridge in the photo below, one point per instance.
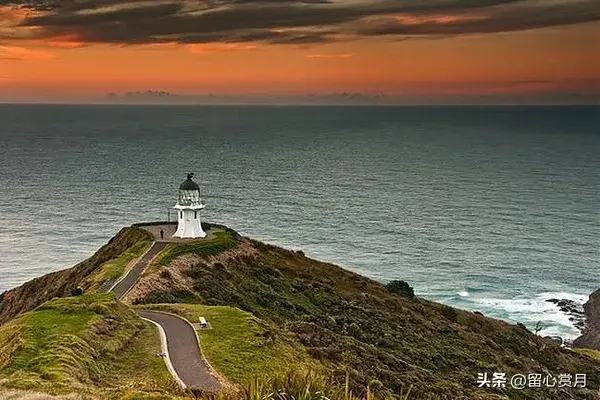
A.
x: 335, y: 323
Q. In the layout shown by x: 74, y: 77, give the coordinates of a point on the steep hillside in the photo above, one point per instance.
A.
x: 355, y: 325
x: 591, y: 335
x: 60, y: 284
x: 90, y: 344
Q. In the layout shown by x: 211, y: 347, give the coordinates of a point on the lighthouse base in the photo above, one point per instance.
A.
x: 189, y: 232
x: 189, y: 226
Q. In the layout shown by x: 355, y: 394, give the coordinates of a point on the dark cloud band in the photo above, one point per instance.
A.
x: 290, y: 21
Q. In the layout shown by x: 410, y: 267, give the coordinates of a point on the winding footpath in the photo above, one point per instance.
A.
x: 182, y: 351
x: 180, y: 343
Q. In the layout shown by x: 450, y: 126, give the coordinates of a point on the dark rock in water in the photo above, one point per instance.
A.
x: 591, y: 328
x: 580, y: 325
x: 570, y: 306
x: 573, y: 309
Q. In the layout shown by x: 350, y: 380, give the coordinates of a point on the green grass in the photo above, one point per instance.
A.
x: 595, y: 354
x: 115, y: 268
x: 138, y: 368
x: 90, y: 344
x: 53, y: 338
x: 32, y: 395
x: 308, y: 386
x: 11, y: 339
x: 222, y: 241
x: 242, y: 347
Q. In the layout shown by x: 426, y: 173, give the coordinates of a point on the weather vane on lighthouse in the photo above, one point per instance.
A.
x: 189, y: 206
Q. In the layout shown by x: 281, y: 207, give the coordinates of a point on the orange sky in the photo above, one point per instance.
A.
x: 561, y: 59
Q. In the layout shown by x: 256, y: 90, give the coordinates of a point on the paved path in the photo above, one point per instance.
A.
x: 183, y: 355
x: 122, y: 286
x: 183, y: 351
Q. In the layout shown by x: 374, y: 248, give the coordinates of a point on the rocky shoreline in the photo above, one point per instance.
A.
x: 591, y: 331
x: 573, y: 309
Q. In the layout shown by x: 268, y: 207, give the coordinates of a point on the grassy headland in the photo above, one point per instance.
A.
x: 272, y: 311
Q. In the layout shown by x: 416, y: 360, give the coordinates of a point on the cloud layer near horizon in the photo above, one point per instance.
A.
x: 131, y: 22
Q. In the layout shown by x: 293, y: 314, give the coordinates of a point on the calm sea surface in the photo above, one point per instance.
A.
x: 489, y: 209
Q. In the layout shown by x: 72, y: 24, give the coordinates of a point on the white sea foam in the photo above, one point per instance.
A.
x: 292, y: 248
x: 532, y: 310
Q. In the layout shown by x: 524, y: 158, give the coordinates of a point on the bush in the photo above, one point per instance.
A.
x: 450, y: 313
x: 177, y: 296
x: 400, y: 287
x: 165, y: 274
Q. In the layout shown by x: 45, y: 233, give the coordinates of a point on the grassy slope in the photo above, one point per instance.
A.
x: 91, y: 344
x: 221, y: 242
x: 595, y: 354
x: 354, y: 324
x: 12, y: 394
x: 60, y: 284
x: 115, y: 268
x: 243, y: 347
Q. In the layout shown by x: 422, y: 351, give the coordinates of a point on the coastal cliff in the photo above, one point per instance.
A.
x: 272, y: 312
x: 591, y: 334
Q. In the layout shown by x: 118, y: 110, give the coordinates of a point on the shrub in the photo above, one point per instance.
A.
x: 449, y: 313
x: 400, y: 287
x: 165, y: 274
x: 177, y: 296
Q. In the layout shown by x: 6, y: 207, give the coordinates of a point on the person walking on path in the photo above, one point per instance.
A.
x: 162, y: 234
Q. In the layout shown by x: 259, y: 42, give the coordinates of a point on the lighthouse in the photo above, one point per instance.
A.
x: 188, y: 208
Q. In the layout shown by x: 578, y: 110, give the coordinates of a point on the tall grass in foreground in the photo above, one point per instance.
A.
x: 294, y: 386
x: 307, y: 387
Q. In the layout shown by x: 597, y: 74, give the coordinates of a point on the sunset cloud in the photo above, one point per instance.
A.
x: 330, y: 55
x: 218, y: 47
x: 131, y: 22
x: 66, y: 42
x: 21, y: 54
x: 301, y: 46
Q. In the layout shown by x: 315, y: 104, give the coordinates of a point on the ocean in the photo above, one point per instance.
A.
x: 493, y: 209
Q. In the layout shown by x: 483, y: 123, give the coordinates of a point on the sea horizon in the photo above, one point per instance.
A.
x: 276, y: 104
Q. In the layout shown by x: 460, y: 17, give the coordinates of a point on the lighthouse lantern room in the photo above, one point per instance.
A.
x: 188, y: 208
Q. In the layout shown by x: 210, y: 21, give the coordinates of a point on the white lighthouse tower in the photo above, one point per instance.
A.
x: 188, y: 207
